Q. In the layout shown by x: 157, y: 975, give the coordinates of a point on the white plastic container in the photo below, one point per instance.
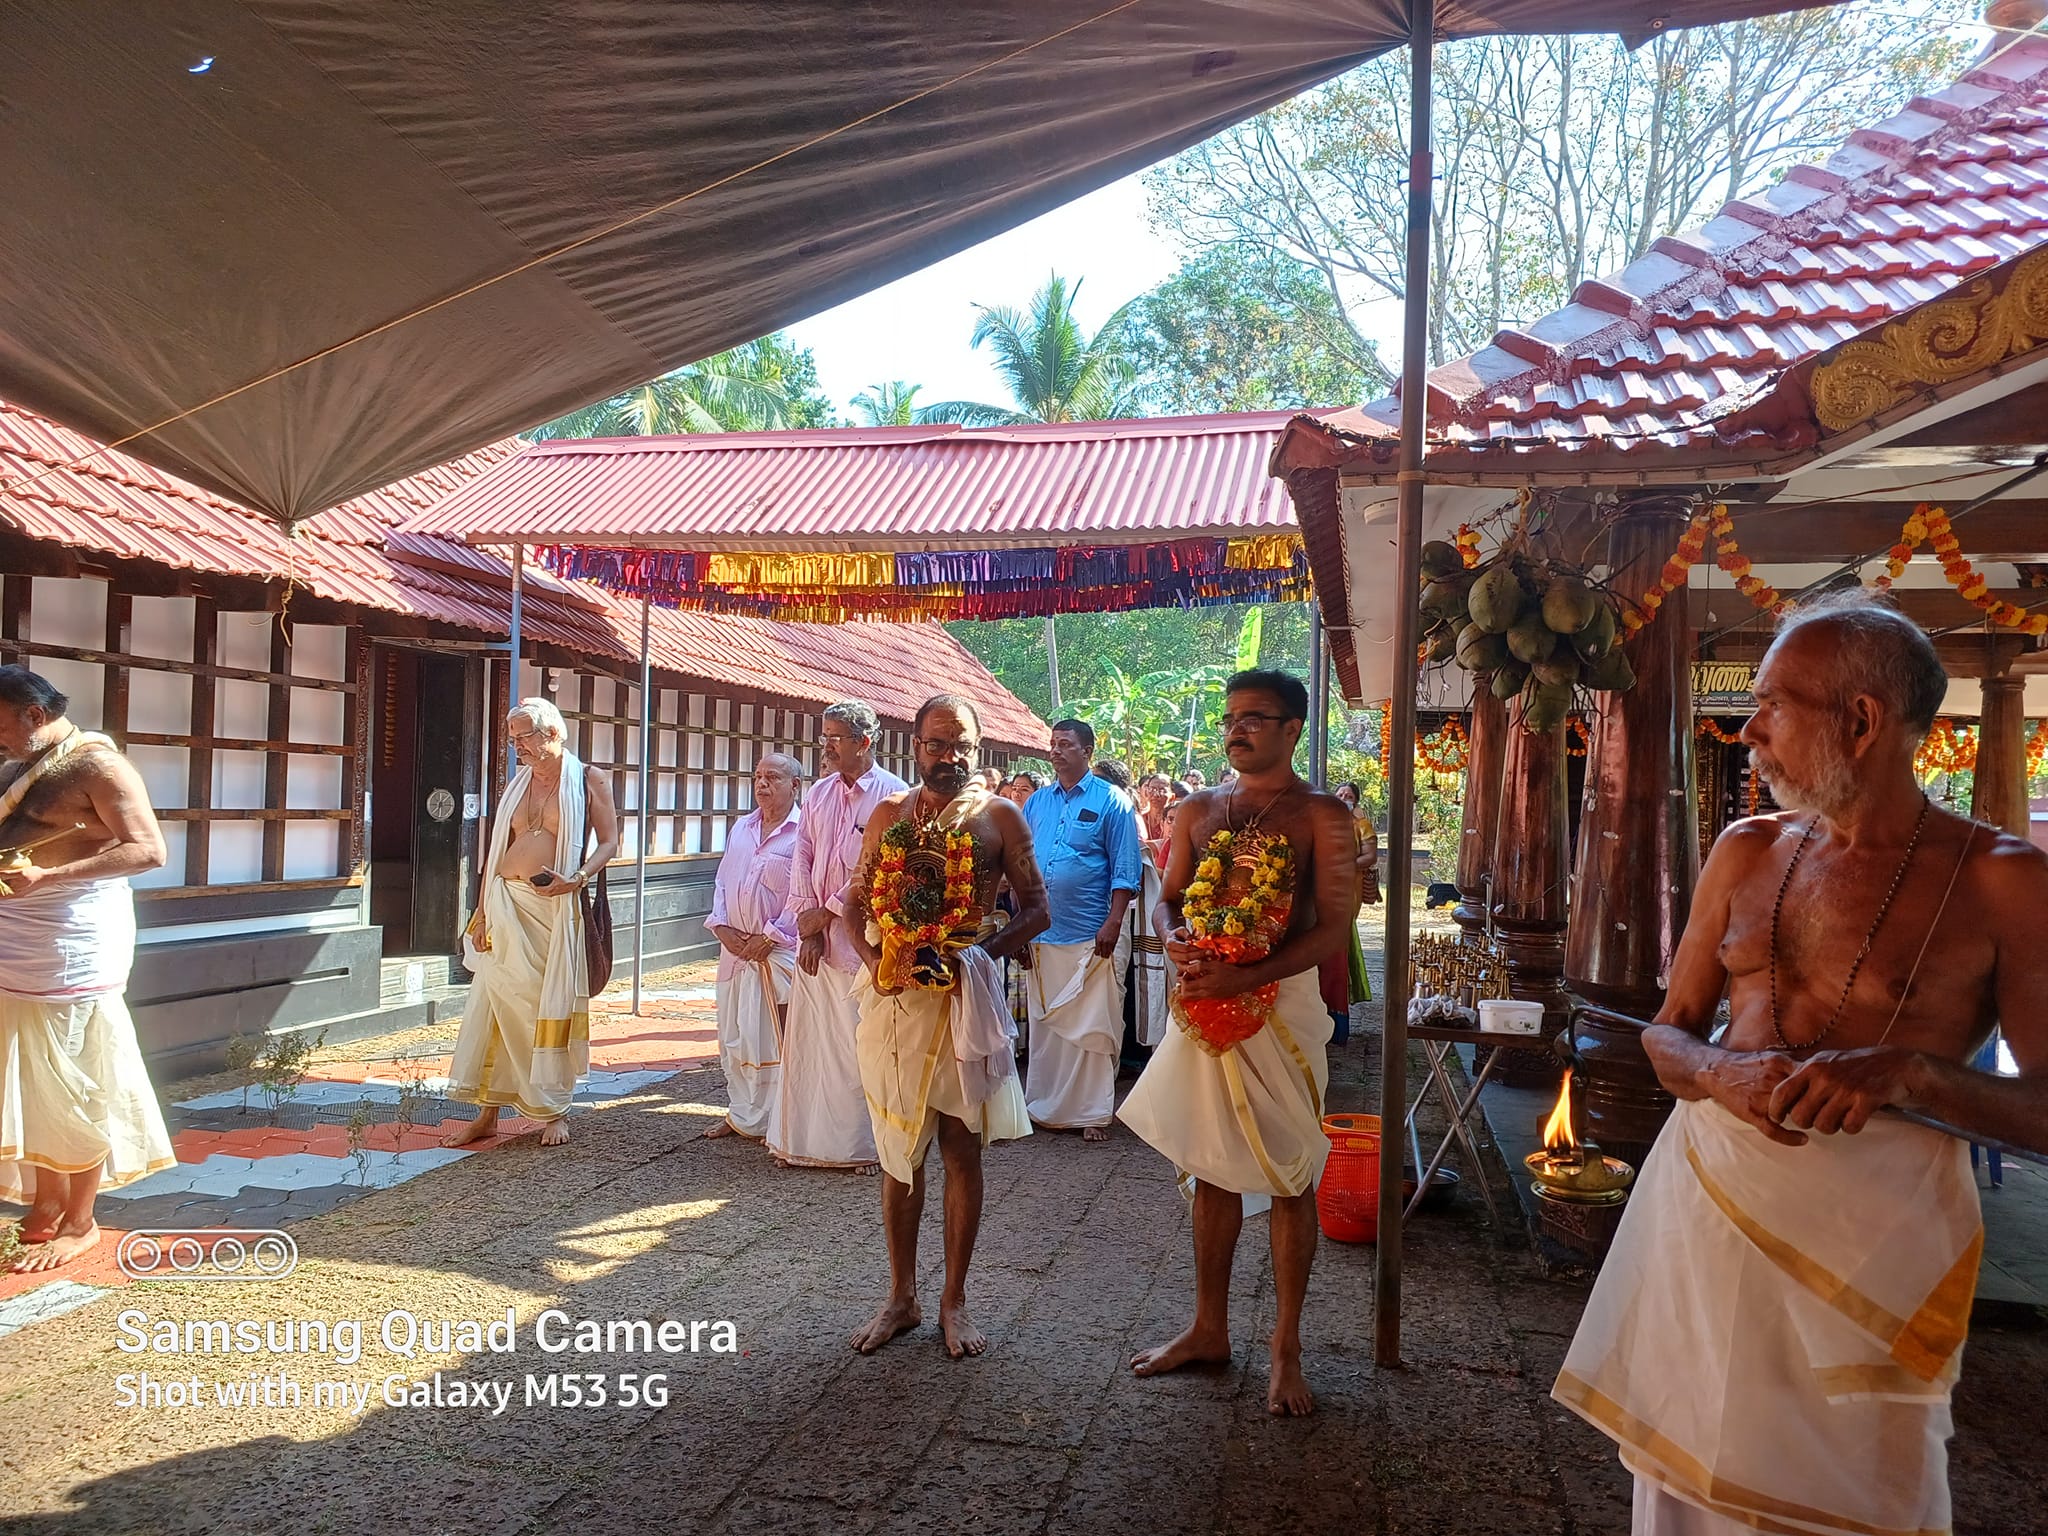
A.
x: 1505, y: 1016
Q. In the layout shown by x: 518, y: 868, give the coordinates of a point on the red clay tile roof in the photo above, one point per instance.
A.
x: 116, y: 505
x: 935, y: 487
x: 1653, y: 357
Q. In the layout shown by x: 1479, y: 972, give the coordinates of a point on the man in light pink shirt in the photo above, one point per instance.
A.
x: 757, y: 946
x: 820, y: 1118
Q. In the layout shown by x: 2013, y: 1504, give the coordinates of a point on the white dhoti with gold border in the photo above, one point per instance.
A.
x: 1776, y: 1331
x: 927, y: 1053
x: 510, y: 1053
x: 1251, y: 1118
x: 74, y: 1094
x: 750, y: 1039
x: 1077, y: 1033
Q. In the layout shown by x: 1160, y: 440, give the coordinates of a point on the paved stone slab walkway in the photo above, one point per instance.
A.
x: 1084, y: 1258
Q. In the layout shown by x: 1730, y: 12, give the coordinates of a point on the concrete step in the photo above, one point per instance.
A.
x: 420, y: 978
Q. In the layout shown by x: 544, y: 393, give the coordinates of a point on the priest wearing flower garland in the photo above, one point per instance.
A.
x: 1261, y: 887
x: 936, y: 1039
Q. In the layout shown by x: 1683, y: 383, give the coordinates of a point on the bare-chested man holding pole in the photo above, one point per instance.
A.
x: 1244, y: 1116
x: 77, y: 1112
x: 937, y: 1043
x: 1775, y: 1334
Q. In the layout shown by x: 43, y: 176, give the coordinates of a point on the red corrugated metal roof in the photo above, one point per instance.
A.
x: 936, y: 487
x: 1659, y: 355
x: 115, y: 505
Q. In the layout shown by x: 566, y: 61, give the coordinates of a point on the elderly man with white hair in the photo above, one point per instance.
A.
x: 1777, y: 1329
x: 526, y: 1032
x: 756, y: 946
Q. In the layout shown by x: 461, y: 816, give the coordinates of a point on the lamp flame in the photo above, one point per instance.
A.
x: 1557, y: 1130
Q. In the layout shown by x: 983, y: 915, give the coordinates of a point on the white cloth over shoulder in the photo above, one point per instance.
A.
x: 1250, y: 1119
x: 525, y: 1039
x: 926, y: 1053
x: 1775, y: 1333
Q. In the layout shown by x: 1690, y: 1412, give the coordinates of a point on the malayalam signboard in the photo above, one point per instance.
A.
x: 1722, y: 687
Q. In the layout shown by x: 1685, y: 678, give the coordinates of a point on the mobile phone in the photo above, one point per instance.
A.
x: 541, y: 881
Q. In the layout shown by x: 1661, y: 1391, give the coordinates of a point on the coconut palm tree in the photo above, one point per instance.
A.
x: 1054, y: 371
x: 737, y: 391
x: 889, y: 405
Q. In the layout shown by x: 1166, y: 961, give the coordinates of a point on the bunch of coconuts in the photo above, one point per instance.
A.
x: 1530, y: 628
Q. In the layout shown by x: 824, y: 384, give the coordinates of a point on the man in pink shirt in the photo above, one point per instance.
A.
x: 820, y: 1118
x: 757, y: 946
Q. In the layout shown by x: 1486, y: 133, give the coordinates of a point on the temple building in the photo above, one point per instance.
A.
x: 319, y: 719
x: 1866, y: 340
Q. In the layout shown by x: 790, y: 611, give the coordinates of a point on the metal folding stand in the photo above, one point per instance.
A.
x: 1489, y: 1049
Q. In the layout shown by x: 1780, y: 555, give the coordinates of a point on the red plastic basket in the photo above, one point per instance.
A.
x: 1348, y: 1196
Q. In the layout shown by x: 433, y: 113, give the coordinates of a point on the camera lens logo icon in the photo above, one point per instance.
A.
x: 207, y: 1253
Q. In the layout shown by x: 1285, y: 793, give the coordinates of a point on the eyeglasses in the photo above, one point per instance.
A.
x: 1253, y: 722
x: 938, y: 748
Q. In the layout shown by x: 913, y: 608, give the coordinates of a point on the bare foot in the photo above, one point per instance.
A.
x: 483, y: 1126
x: 41, y: 1222
x: 890, y: 1319
x: 555, y: 1133
x: 963, y: 1339
x: 1196, y: 1346
x: 1287, y: 1395
x: 1095, y: 1133
x: 58, y: 1248
x: 723, y: 1128
x: 868, y: 1170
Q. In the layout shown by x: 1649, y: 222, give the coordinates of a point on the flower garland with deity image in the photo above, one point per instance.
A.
x: 922, y: 900
x: 1236, y: 908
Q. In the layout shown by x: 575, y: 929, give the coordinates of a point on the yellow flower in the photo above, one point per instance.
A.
x: 1199, y: 888
x: 1210, y: 869
x: 1233, y: 924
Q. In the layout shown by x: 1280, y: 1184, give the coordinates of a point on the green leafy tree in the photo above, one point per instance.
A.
x: 1560, y: 158
x: 1242, y: 328
x: 1053, y: 369
x: 764, y: 386
x: 888, y: 405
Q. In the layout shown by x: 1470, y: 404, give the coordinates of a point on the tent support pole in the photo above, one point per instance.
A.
x: 1400, y: 722
x: 643, y: 822
x: 512, y: 650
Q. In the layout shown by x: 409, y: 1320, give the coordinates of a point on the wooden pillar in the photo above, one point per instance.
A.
x: 1998, y: 790
x: 1638, y: 853
x: 1489, y: 733
x: 1531, y: 863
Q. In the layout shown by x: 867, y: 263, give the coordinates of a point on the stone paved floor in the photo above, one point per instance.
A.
x: 1084, y: 1257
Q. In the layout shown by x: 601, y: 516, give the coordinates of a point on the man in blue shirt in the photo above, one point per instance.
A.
x: 1085, y: 831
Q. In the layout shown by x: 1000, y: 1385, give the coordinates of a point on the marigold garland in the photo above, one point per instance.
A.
x: 1712, y: 730
x: 1467, y: 542
x: 1931, y: 525
x: 1581, y: 733
x: 1948, y: 749
x: 1236, y: 908
x: 2037, y: 750
x: 1692, y: 545
x: 920, y: 902
x: 1447, y: 750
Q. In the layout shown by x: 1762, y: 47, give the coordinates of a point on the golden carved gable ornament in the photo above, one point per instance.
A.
x: 1950, y: 338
